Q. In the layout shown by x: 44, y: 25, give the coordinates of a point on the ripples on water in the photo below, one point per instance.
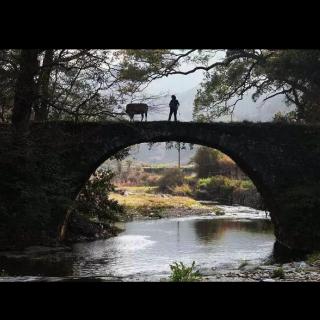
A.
x: 145, y: 249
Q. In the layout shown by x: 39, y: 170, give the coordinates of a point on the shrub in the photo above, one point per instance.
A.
x: 313, y: 258
x: 228, y: 191
x: 217, y: 186
x: 150, y: 179
x: 182, y: 273
x: 218, y: 211
x: 191, y: 180
x: 183, y: 190
x: 247, y: 184
x: 171, y: 178
x: 3, y: 273
x: 278, y: 273
x: 93, y: 199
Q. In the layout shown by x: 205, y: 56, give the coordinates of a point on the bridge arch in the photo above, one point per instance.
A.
x: 221, y: 143
x: 282, y: 160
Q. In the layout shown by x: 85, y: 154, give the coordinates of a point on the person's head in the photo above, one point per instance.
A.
x: 173, y: 97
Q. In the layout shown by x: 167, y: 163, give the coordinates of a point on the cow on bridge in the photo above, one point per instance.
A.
x: 137, y: 108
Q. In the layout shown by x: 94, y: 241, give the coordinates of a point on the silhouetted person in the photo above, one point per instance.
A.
x: 174, y: 104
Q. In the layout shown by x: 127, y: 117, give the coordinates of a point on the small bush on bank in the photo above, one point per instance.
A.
x: 313, y: 258
x: 149, y: 179
x: 183, y: 190
x: 3, y: 273
x: 216, y: 186
x: 191, y: 181
x: 182, y: 273
x: 173, y: 177
x: 218, y: 212
x: 228, y: 191
x: 278, y: 273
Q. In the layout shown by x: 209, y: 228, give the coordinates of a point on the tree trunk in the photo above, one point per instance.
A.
x: 41, y: 112
x: 25, y: 89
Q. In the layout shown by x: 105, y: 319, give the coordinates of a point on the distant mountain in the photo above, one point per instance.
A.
x: 159, y: 154
x: 259, y: 111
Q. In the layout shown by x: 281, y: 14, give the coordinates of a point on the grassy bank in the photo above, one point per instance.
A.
x: 146, y: 201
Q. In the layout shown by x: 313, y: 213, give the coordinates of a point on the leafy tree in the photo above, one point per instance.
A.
x: 83, y: 84
x: 171, y: 178
x: 91, y: 84
x: 24, y: 93
x: 93, y: 199
x: 291, y: 73
x: 231, y: 74
x: 285, y: 118
x: 8, y: 75
x: 206, y: 161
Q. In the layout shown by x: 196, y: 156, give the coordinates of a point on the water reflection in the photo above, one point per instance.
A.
x: 38, y: 266
x: 208, y: 230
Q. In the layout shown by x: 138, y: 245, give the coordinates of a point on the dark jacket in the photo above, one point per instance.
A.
x: 174, y: 104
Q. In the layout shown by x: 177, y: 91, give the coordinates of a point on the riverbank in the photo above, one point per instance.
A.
x: 82, y: 229
x: 144, y: 203
x: 154, y: 244
x: 140, y: 203
x: 289, y: 272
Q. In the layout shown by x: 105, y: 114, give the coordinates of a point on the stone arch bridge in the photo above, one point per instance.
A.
x: 282, y: 160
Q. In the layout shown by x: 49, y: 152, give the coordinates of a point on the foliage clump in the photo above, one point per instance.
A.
x: 93, y: 200
x: 182, y: 190
x: 3, y: 273
x: 314, y: 258
x: 173, y: 177
x: 218, y: 211
x: 182, y: 273
x: 278, y: 273
x: 206, y: 162
x: 224, y: 189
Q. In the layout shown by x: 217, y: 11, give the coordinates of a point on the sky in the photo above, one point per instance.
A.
x: 176, y: 84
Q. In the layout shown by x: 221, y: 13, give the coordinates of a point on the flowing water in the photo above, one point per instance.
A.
x: 144, y: 251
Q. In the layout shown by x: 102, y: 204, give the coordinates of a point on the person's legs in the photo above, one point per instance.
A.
x: 175, y: 115
x: 170, y: 114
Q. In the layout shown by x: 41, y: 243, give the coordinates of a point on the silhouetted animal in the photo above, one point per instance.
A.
x: 137, y: 108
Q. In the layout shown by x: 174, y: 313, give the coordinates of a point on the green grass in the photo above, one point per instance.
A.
x: 182, y: 273
x: 313, y: 258
x: 224, y: 182
x: 145, y: 202
x: 278, y: 273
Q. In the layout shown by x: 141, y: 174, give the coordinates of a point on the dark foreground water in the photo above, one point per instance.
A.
x: 144, y: 251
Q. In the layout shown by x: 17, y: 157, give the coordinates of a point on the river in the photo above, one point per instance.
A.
x: 144, y: 251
